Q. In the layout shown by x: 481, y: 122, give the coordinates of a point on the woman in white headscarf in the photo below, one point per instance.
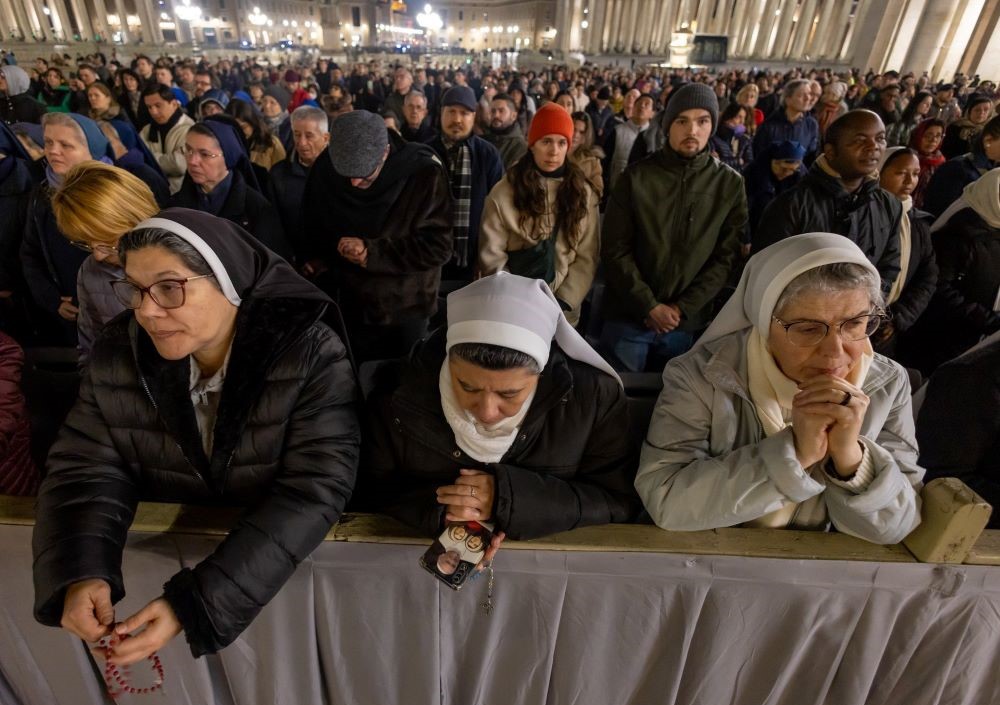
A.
x: 15, y: 103
x: 508, y: 416
x: 781, y: 415
x: 966, y: 305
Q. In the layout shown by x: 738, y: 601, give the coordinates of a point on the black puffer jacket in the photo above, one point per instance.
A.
x: 571, y: 466
x: 869, y: 217
x: 286, y: 444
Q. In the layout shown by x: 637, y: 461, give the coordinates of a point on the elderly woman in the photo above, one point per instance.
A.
x: 959, y: 136
x: 94, y: 207
x: 781, y: 415
x: 221, y: 388
x: 541, y: 220
x: 507, y: 417
x: 220, y: 180
x: 831, y: 105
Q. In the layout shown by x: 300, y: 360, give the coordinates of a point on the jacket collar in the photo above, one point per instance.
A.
x: 670, y: 159
x: 265, y: 329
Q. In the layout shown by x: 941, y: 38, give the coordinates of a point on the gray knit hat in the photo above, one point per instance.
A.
x: 691, y: 97
x: 357, y: 143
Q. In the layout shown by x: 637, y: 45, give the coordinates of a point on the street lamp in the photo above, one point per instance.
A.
x: 187, y: 12
x: 257, y: 18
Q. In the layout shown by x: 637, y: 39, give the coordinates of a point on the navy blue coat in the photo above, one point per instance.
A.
x: 776, y: 128
x: 949, y: 180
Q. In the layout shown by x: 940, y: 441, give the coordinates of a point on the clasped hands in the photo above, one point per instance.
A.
x: 88, y: 613
x: 354, y: 250
x: 663, y: 318
x: 470, y: 498
x: 825, y: 426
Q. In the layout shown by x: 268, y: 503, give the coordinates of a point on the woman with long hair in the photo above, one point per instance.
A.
x: 898, y: 134
x: 129, y: 87
x: 925, y: 140
x: 541, y: 220
x: 103, y: 105
x: 748, y: 96
x: 266, y: 150
x: 587, y: 155
x: 960, y: 135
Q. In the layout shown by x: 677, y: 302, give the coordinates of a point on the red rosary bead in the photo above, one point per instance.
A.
x: 115, y: 678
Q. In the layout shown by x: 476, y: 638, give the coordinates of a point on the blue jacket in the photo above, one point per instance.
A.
x: 777, y: 128
x: 487, y: 170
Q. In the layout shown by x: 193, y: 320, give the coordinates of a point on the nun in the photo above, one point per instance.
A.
x: 220, y: 180
x: 506, y: 416
x: 50, y: 262
x: 781, y: 416
x: 220, y: 386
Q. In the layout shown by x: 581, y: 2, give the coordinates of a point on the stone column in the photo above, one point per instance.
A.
x: 766, y: 24
x: 20, y: 13
x: 927, y: 41
x: 155, y: 33
x: 628, y: 33
x: 752, y: 17
x: 127, y: 36
x: 101, y: 20
x: 44, y: 28
x: 781, y: 39
x: 958, y: 38
x: 604, y: 31
x: 821, y: 38
x: 560, y: 22
x: 802, y: 29
x: 6, y: 16
x: 837, y: 31
x: 58, y: 8
x: 723, y: 11
x: 704, y: 16
x: 736, y: 27
x: 595, y: 18
x: 644, y: 31
x: 83, y: 24
x: 616, y: 20
x: 666, y: 26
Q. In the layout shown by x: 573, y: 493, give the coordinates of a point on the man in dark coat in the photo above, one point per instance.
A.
x: 378, y: 212
x: 16, y: 184
x: 671, y: 235
x: 283, y: 443
x: 504, y: 132
x: 840, y: 195
x: 416, y: 127
x: 287, y: 180
x: 601, y: 114
x: 474, y: 167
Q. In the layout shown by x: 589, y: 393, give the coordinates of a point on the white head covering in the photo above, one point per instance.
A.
x: 771, y: 270
x: 517, y: 313
x: 17, y: 80
x: 888, y: 153
x: 982, y: 196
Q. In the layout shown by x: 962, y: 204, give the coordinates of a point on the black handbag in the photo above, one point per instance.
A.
x: 537, y: 262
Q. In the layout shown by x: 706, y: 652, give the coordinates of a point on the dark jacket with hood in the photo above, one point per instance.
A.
x: 50, y: 263
x: 286, y: 185
x: 921, y: 273
x: 869, y: 217
x: 16, y: 183
x: 286, y: 443
x: 404, y: 218
x: 569, y: 467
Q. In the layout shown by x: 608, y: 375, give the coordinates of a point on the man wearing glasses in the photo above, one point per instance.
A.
x: 378, y: 213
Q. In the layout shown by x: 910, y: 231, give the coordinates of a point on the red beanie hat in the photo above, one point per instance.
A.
x: 551, y: 119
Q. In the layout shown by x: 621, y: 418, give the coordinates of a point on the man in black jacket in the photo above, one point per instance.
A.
x: 474, y: 167
x: 841, y: 195
x: 379, y: 212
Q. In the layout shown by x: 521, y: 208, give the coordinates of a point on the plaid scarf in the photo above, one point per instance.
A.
x: 460, y: 167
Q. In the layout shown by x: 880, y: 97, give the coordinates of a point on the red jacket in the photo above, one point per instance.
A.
x: 18, y: 474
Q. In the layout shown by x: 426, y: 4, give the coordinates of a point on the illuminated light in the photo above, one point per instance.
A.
x: 187, y: 12
x: 585, y: 24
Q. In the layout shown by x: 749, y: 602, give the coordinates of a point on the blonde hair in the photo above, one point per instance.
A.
x: 100, y: 203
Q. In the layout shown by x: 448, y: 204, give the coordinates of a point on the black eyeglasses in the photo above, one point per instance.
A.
x: 806, y: 334
x: 166, y: 293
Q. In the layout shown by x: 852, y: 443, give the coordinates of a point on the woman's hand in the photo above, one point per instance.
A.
x: 825, y: 396
x: 87, y: 610
x: 470, y: 498
x: 66, y: 308
x: 160, y: 626
x: 491, y: 550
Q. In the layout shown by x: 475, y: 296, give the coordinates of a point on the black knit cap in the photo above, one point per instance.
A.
x: 691, y: 96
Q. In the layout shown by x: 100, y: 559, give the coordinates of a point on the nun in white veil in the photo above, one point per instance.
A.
x: 781, y: 415
x: 508, y: 416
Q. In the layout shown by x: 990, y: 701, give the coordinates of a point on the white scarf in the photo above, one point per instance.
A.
x: 905, y: 246
x: 487, y: 444
x: 982, y: 196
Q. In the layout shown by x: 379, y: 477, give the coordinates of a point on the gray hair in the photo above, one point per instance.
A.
x: 828, y: 278
x: 494, y: 357
x: 158, y: 237
x: 308, y: 112
x: 415, y: 95
x: 793, y: 86
x: 64, y: 120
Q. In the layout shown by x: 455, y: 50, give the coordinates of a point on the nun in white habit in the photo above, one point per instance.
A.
x: 507, y: 416
x: 781, y: 415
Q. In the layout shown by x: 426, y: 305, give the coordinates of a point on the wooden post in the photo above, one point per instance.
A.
x: 952, y: 519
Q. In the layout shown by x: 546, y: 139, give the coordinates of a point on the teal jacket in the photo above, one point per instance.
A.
x: 671, y: 235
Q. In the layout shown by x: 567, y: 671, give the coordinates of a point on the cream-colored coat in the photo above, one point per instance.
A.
x: 575, y: 267
x: 170, y: 156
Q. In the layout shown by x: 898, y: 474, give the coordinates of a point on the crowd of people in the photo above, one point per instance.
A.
x: 424, y: 290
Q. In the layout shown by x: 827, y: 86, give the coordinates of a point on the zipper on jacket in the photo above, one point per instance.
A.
x: 152, y: 401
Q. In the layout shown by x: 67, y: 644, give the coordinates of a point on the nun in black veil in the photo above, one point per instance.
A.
x: 219, y: 385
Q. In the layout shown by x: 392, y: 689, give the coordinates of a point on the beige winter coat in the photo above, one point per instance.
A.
x: 500, y: 233
x: 170, y: 157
